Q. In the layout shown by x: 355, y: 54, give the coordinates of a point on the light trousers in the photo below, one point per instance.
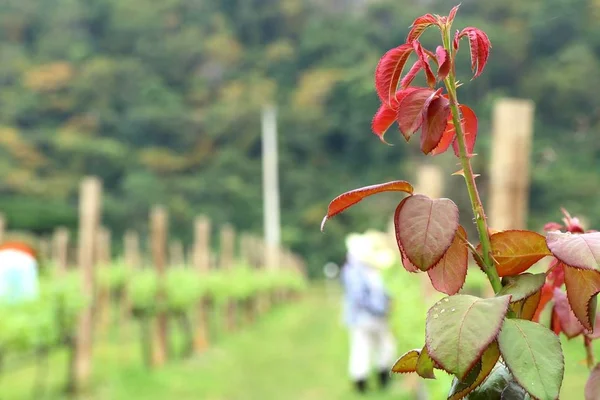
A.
x: 372, y: 344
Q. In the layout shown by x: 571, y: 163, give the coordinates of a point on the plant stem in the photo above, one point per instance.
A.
x: 478, y: 212
x: 587, y: 342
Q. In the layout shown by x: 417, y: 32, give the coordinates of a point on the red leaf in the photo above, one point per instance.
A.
x: 568, y: 321
x: 581, y: 251
x: 352, y: 197
x: 425, y: 64
x: 411, y: 74
x: 547, y: 294
x: 426, y: 228
x: 553, y: 226
x: 405, y: 261
x: 388, y: 72
x: 447, y: 138
x: 582, y: 287
x: 456, y: 40
x: 419, y: 25
x: 592, y: 386
x: 480, y: 48
x: 452, y: 14
x: 410, y: 110
x: 468, y: 122
x: 434, y: 125
x: 443, y: 60
x: 383, y: 119
x: 516, y: 251
x: 448, y: 276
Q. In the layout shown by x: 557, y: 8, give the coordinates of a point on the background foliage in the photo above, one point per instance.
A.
x: 162, y: 101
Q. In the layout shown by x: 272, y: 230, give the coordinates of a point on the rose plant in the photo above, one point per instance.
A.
x: 492, y: 346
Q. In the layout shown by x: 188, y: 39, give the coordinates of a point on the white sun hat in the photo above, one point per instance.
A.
x: 373, y: 248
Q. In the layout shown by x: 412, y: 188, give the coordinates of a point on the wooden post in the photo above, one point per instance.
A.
x: 512, y: 128
x: 201, y: 262
x: 89, y: 219
x: 246, y: 249
x: 226, y: 263
x: 158, y: 232
x: 60, y: 252
x: 132, y: 249
x: 103, y: 255
x: 227, y: 248
x: 202, y: 244
x: 2, y: 227
x: 45, y: 249
x: 131, y: 243
x: 103, y: 260
x: 176, y: 254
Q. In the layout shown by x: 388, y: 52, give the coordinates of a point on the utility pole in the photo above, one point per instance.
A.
x: 270, y: 167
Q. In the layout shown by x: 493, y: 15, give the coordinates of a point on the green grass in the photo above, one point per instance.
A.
x: 297, y: 352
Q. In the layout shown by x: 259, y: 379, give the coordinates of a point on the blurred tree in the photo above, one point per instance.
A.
x: 162, y: 100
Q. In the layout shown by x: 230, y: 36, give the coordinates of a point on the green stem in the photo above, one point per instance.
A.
x: 465, y: 160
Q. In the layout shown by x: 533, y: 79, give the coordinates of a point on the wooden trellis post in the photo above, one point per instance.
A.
x: 131, y: 243
x: 226, y: 263
x: 158, y: 233
x: 511, y: 149
x: 201, y: 262
x: 176, y: 254
x: 132, y: 249
x: 89, y: 220
x: 103, y: 260
x: 60, y: 249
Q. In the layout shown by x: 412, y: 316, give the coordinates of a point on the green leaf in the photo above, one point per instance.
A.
x: 407, y: 362
x: 534, y: 357
x: 425, y: 228
x: 425, y: 365
x: 477, y: 374
x: 522, y: 286
x: 492, y: 387
x: 459, y: 328
x: 514, y: 392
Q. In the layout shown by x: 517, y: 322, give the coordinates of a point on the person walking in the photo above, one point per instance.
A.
x: 367, y: 307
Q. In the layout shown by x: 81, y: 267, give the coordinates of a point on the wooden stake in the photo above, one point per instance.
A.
x: 246, y: 249
x: 201, y: 262
x: 131, y: 242
x: 226, y: 263
x: 132, y: 249
x: 45, y: 249
x: 511, y: 150
x: 227, y: 248
x: 103, y: 237
x: 60, y: 245
x: 176, y: 254
x: 158, y: 232
x: 89, y: 220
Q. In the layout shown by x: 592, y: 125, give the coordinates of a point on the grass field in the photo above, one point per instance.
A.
x: 297, y: 352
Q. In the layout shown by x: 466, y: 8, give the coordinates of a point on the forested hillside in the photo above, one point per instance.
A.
x: 162, y: 100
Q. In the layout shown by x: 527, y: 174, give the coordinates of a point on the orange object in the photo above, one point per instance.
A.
x: 20, y: 247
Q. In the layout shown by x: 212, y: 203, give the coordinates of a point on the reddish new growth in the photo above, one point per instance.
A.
x: 427, y: 108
